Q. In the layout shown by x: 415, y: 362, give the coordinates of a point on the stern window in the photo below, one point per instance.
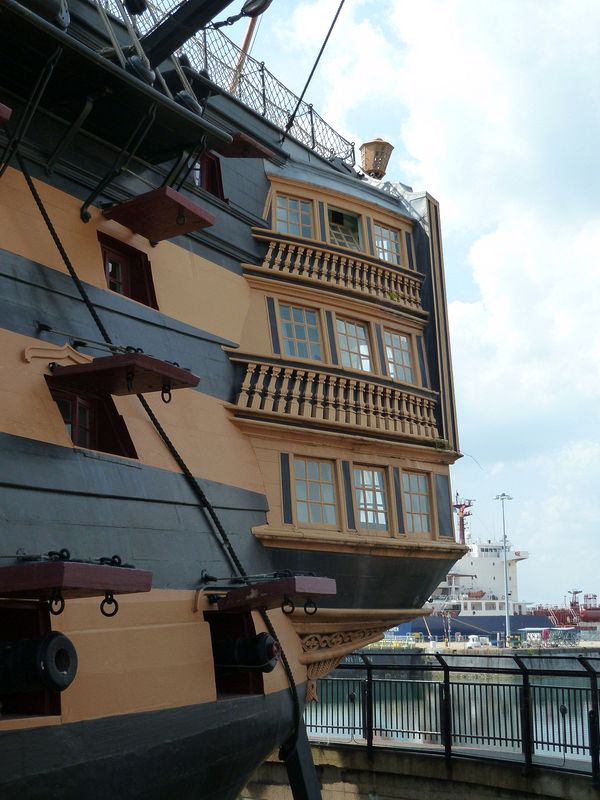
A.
x: 344, y: 229
x: 398, y: 356
x: 315, y: 492
x: 300, y: 332
x: 370, y: 495
x: 416, y: 501
x: 293, y: 216
x: 354, y: 345
x: 387, y: 244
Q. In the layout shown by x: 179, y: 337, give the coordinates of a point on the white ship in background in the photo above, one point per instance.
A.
x: 471, y: 601
x: 475, y: 586
x: 472, y: 598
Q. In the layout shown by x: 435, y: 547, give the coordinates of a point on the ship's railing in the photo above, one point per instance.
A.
x: 249, y: 81
x: 323, y: 397
x: 325, y: 267
x: 536, y: 710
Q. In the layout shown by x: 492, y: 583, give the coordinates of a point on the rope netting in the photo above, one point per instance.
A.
x: 248, y: 80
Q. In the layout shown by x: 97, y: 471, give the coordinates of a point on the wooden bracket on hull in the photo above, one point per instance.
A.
x: 5, y: 113
x: 244, y: 146
x: 160, y: 214
x: 130, y: 373
x: 41, y: 580
x: 296, y: 589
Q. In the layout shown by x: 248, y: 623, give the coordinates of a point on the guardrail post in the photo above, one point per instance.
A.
x: 526, y: 716
x: 446, y: 712
x: 312, y: 126
x: 593, y: 721
x: 263, y: 88
x: 367, y: 704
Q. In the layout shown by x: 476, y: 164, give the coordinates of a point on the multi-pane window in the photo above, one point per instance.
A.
x: 300, y: 332
x: 387, y: 244
x: 369, y: 491
x: 315, y: 492
x: 117, y: 273
x: 78, y: 416
x: 398, y: 356
x: 127, y: 271
x: 416, y: 502
x: 354, y: 345
x: 92, y: 421
x: 344, y: 229
x: 293, y: 216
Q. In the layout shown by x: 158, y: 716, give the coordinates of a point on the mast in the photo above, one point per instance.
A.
x: 462, y: 506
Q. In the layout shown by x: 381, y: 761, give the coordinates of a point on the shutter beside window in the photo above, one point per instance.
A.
x: 286, y: 489
x: 382, y: 358
x: 398, y: 497
x: 348, y: 494
x: 444, y: 506
x: 273, y: 326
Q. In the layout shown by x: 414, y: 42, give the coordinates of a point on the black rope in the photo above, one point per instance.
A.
x: 205, y: 504
x: 312, y: 72
x: 61, y: 250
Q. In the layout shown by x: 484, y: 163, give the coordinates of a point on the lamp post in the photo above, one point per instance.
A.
x: 503, y: 497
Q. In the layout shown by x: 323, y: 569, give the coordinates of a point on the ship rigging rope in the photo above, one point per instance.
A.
x: 222, y: 537
x: 290, y: 121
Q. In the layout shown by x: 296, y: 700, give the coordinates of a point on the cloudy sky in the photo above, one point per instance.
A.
x: 493, y: 107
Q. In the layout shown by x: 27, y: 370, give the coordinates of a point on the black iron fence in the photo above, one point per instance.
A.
x: 531, y: 709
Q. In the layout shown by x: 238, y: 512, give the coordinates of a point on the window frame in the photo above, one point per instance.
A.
x: 400, y: 253
x: 369, y: 337
x: 206, y: 174
x: 411, y: 349
x: 325, y: 357
x: 392, y: 528
x: 299, y: 199
x: 432, y: 533
x: 361, y: 229
x: 137, y: 280
x: 339, y: 524
x: 107, y: 425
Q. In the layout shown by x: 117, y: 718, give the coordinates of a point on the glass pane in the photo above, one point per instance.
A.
x: 327, y: 492
x: 302, y: 349
x: 314, y: 491
x: 326, y: 472
x: 316, y: 513
x: 300, y: 468
x: 330, y: 517
x: 301, y: 490
x: 285, y: 312
x: 302, y: 509
x: 313, y: 470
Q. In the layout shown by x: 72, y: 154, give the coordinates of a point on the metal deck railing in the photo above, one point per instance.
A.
x: 538, y: 711
x: 248, y: 80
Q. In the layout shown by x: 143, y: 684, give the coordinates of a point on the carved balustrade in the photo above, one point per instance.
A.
x: 321, y: 397
x: 343, y: 271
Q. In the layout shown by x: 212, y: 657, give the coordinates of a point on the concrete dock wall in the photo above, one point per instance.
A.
x: 345, y: 773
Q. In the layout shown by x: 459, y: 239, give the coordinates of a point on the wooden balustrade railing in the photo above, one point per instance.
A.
x: 325, y: 398
x: 351, y: 272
